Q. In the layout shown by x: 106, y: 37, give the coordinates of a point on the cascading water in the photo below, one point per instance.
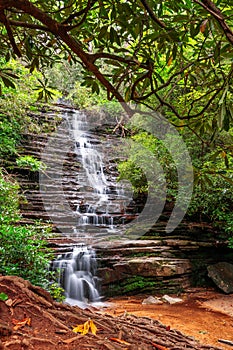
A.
x: 77, y: 275
x: 103, y: 201
x: 99, y: 209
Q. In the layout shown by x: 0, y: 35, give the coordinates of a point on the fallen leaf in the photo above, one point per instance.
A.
x: 93, y: 327
x: 84, y: 328
x: 120, y: 341
x: 18, y: 324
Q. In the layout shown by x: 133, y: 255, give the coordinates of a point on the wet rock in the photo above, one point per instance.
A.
x: 151, y: 300
x: 222, y: 275
x: 171, y: 300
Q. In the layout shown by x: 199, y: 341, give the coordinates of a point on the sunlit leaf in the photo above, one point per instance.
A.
x: 85, y: 328
x: 19, y: 324
x: 93, y: 327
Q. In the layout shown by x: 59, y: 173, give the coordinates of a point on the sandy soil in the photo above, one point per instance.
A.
x: 205, y: 315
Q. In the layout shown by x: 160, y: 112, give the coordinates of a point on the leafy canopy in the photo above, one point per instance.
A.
x: 157, y: 52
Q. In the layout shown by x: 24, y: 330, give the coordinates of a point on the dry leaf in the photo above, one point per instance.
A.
x: 203, y: 25
x: 170, y: 61
x: 87, y: 40
x: 18, y: 324
x: 93, y: 327
x: 84, y: 328
x: 120, y: 341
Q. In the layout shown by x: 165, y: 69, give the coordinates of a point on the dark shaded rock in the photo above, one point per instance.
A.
x: 222, y: 275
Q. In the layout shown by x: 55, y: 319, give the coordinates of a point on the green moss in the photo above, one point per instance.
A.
x: 135, y: 284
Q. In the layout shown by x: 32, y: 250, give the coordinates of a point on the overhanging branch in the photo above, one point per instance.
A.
x: 210, y: 7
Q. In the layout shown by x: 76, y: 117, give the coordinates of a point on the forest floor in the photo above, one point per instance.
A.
x: 30, y: 319
x: 204, y: 314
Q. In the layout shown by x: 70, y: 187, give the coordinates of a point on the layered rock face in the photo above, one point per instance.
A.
x: 157, y: 262
x: 160, y: 265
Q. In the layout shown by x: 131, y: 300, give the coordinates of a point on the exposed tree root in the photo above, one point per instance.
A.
x: 52, y: 323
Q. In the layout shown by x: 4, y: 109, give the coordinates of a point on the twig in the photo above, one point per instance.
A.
x: 224, y: 341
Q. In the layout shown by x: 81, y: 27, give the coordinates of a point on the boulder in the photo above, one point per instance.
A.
x: 171, y: 300
x: 222, y: 275
x: 151, y: 300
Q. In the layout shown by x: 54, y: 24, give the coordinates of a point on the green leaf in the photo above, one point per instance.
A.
x: 7, y: 82
x: 194, y: 30
x: 160, y: 9
x: 221, y: 116
x: 40, y: 96
x: 3, y: 296
x: 226, y: 121
x: 95, y: 88
x: 102, y: 32
x: 127, y: 94
x: 230, y: 109
x: 223, y: 95
x: 113, y: 13
x: 230, y: 181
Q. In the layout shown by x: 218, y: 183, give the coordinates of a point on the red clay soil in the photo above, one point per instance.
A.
x: 30, y: 319
x: 206, y: 315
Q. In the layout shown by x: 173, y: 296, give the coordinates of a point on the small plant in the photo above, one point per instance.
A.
x: 56, y: 292
x: 31, y: 163
x: 3, y: 296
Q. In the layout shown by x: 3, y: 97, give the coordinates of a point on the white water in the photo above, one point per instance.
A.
x: 103, y: 201
x: 77, y: 275
x: 100, y: 203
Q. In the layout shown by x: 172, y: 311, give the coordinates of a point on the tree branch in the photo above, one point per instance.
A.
x: 152, y: 15
x: 60, y: 30
x: 210, y: 7
x: 5, y: 21
x: 168, y: 82
x: 28, y: 25
x: 80, y: 13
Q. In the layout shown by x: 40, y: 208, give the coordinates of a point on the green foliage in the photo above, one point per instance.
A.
x: 142, y: 170
x: 82, y: 97
x: 23, y: 253
x: 3, y: 296
x: 7, y: 78
x: 45, y: 91
x: 30, y: 162
x: 57, y: 293
x: 9, y: 212
x: 23, y: 249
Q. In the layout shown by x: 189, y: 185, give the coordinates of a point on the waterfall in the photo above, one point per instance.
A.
x: 99, y: 210
x: 102, y: 200
x: 77, y: 276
